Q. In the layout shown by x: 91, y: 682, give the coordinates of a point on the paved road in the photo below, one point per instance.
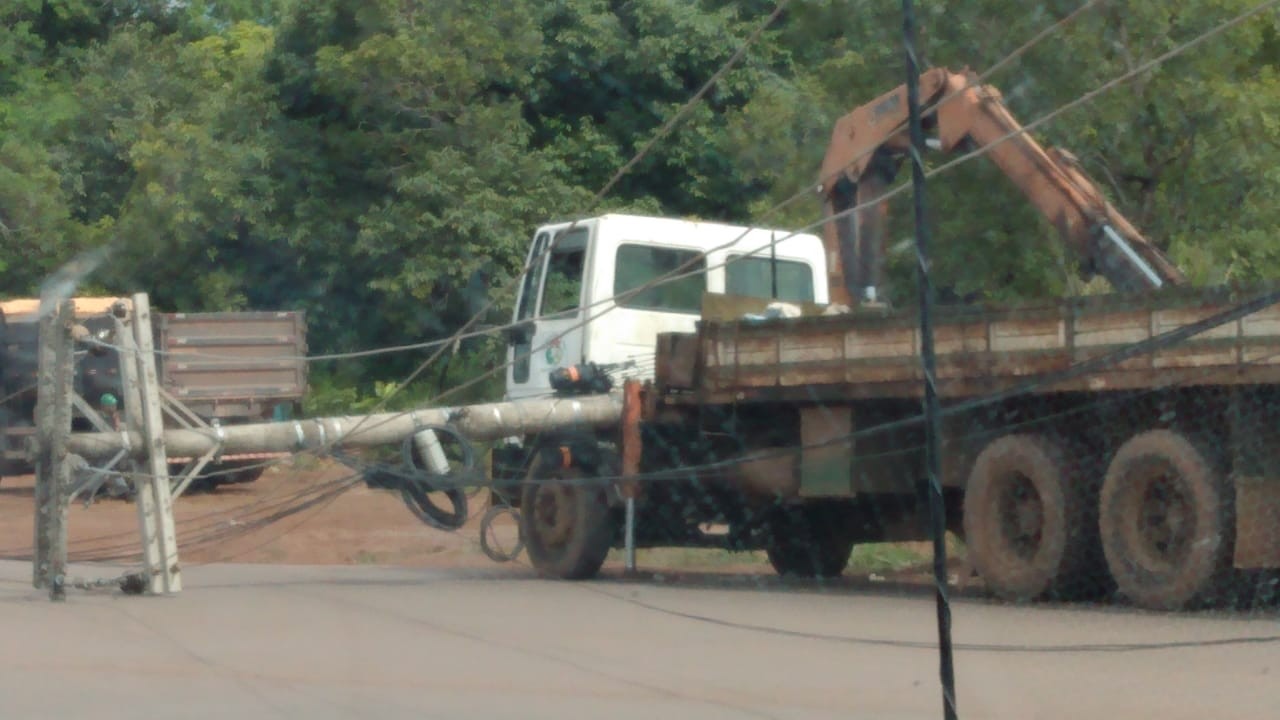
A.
x: 362, y: 642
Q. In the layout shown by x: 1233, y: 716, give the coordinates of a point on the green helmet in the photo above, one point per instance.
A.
x: 108, y: 400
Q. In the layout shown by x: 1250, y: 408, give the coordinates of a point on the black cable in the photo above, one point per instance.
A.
x: 995, y: 648
x: 219, y: 531
x: 1056, y: 377
x: 965, y: 647
x: 1153, y: 343
x: 933, y: 422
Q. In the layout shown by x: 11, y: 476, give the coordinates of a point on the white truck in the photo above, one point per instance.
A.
x: 586, y: 301
x: 566, y: 308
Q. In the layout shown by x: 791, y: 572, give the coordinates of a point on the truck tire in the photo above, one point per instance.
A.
x: 808, y: 542
x: 565, y: 523
x: 1167, y: 522
x: 1030, y: 522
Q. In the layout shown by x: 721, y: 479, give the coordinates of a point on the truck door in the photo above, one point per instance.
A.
x: 550, y: 310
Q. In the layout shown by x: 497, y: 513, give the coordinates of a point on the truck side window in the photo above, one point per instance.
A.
x: 752, y: 276
x: 562, y: 292
x: 638, y: 265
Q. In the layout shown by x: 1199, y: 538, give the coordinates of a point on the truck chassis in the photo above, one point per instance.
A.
x: 1105, y: 443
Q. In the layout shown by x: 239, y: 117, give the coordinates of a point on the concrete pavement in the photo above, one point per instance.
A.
x: 366, y: 642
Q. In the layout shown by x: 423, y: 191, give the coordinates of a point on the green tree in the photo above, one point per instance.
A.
x: 382, y: 164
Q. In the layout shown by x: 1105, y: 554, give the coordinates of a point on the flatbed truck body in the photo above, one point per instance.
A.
x: 1133, y: 437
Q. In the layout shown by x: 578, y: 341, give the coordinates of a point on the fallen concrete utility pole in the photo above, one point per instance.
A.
x: 144, y: 436
x: 475, y: 422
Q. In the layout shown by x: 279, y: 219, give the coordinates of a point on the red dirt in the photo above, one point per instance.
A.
x: 360, y: 526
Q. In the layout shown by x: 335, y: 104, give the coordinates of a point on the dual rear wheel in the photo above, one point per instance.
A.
x: 1041, y: 521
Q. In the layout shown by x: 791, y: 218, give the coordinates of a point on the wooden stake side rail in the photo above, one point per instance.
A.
x: 876, y: 355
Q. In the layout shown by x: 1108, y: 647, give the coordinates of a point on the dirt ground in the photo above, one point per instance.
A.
x: 361, y: 526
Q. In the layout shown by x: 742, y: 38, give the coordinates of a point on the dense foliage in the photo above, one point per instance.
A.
x: 381, y: 164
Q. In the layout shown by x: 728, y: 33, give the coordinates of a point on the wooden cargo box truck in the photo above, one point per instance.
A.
x: 232, y: 367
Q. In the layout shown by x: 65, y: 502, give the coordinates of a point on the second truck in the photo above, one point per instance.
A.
x: 225, y: 367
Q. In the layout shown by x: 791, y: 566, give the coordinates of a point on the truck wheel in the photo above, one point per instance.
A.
x: 1029, y: 521
x: 565, y: 523
x: 1167, y: 522
x: 807, y: 543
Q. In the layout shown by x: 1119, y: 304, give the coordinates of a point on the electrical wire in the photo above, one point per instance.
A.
x: 675, y: 274
x: 931, y: 646
x: 1001, y: 648
x: 614, y: 301
x: 1085, y: 98
x: 972, y: 81
x: 1201, y: 376
x: 442, y: 344
x: 1075, y: 371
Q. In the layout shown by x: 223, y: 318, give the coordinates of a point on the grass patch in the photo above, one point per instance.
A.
x: 877, y: 558
x: 885, y: 558
x: 686, y: 558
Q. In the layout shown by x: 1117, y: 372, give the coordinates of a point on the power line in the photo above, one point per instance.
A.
x: 329, y: 491
x: 662, y: 132
x: 1182, y: 48
x: 666, y: 129
x: 1202, y: 375
x: 674, y: 274
x: 997, y: 648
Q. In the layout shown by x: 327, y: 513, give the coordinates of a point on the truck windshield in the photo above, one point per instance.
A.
x: 639, y: 265
x: 531, y: 278
x: 753, y: 276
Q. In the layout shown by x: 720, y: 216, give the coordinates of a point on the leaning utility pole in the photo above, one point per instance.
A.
x: 53, y: 427
x: 144, y: 428
x: 153, y: 492
x: 144, y: 437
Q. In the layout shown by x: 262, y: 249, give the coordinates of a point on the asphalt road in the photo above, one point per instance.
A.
x: 365, y: 642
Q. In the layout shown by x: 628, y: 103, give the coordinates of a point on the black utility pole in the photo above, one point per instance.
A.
x: 933, y: 428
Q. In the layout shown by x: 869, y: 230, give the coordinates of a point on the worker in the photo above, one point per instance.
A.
x: 115, y: 484
x: 110, y: 407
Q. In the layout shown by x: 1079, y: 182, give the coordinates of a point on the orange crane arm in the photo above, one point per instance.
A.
x: 868, y: 145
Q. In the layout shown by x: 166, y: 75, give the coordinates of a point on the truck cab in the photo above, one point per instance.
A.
x: 566, y: 312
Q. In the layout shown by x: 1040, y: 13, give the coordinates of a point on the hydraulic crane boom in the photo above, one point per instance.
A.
x: 868, y: 145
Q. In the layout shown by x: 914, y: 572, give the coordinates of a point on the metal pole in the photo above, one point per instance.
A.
x: 631, y: 535
x: 773, y: 266
x: 933, y: 428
